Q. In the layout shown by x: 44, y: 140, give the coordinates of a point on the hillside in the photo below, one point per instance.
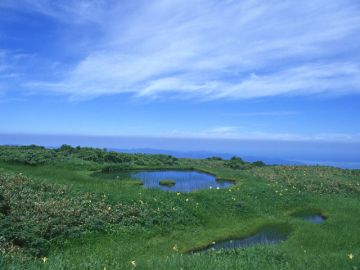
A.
x: 79, y: 208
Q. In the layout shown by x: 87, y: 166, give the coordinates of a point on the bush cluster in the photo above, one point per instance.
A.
x: 36, y: 155
x: 238, y: 163
x: 35, y: 214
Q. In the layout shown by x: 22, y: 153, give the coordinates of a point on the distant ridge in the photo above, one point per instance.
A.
x: 206, y: 154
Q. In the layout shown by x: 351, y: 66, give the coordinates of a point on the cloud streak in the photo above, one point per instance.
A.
x: 69, y: 11
x: 237, y: 133
x: 263, y: 113
x: 209, y: 50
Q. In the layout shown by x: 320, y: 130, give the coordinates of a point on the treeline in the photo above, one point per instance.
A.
x: 110, y: 160
x: 36, y: 155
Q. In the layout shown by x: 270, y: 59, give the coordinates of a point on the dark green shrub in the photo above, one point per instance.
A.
x: 214, y: 158
x: 258, y: 163
x: 236, y: 163
x: 4, y: 205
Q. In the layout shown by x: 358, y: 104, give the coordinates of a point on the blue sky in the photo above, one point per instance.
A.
x: 251, y: 69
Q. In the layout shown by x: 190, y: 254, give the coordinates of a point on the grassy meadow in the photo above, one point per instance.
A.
x: 59, y: 209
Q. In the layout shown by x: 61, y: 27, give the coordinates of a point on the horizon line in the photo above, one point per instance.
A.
x: 304, y: 139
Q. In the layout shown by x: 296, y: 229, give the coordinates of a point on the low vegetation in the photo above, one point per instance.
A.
x: 60, y: 210
x: 38, y: 155
x: 167, y: 182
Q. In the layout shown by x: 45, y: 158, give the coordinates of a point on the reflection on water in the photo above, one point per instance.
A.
x: 186, y: 181
x: 264, y: 237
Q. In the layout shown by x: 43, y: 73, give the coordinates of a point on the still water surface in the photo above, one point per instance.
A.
x: 186, y: 181
x: 265, y: 236
x: 316, y: 219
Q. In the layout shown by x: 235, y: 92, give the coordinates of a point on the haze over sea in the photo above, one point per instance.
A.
x: 338, y: 154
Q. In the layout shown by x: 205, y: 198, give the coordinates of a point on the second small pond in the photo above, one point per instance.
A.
x: 265, y: 236
x: 314, y: 218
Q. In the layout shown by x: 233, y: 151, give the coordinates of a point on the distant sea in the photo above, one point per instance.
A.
x: 338, y: 154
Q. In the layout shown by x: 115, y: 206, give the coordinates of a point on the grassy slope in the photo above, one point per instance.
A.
x: 262, y: 196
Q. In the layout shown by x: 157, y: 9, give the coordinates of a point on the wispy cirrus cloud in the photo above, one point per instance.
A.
x: 5, y: 72
x: 69, y: 11
x: 240, y: 133
x: 10, y: 70
x: 262, y: 113
x: 209, y: 49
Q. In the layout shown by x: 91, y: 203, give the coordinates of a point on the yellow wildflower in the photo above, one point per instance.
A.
x: 44, y: 259
x: 351, y: 256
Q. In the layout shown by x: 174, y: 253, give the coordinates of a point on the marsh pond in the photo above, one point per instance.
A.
x: 265, y: 236
x: 183, y: 181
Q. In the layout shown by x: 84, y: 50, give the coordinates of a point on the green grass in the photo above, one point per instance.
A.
x: 172, y: 224
x: 167, y: 182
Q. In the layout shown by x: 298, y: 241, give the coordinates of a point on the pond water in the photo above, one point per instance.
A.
x: 185, y: 181
x: 264, y: 237
x: 315, y: 218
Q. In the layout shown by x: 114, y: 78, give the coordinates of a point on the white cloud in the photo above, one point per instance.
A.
x: 69, y: 11
x: 239, y: 133
x: 223, y: 131
x: 333, y: 78
x: 211, y: 49
x: 263, y: 113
